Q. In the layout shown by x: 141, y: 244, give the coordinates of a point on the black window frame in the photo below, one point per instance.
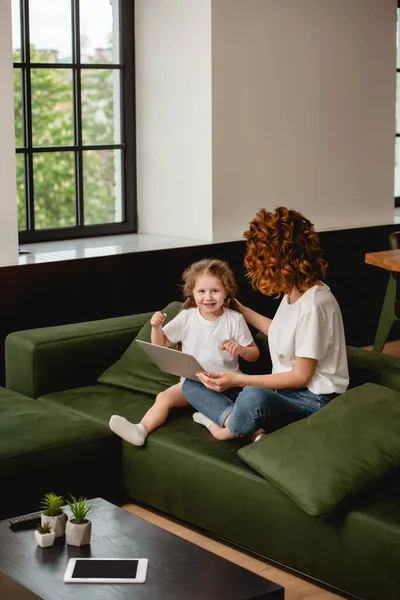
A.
x: 126, y: 66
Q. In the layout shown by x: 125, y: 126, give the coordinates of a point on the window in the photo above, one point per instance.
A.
x: 74, y: 118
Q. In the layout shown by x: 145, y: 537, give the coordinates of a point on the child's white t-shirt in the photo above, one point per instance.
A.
x: 312, y: 327
x: 203, y: 338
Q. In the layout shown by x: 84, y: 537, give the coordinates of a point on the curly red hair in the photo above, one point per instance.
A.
x: 282, y: 252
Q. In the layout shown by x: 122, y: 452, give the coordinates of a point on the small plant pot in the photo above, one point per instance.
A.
x: 45, y: 539
x: 57, y: 524
x: 78, y: 534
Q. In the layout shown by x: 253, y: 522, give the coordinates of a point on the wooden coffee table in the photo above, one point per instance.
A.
x: 177, y: 568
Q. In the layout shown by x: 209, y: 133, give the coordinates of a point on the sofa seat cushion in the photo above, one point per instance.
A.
x: 134, y: 370
x: 322, y: 460
x: 28, y: 425
x: 45, y: 449
x: 98, y: 402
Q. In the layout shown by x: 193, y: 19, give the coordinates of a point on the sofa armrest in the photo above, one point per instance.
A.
x: 369, y: 366
x: 51, y: 359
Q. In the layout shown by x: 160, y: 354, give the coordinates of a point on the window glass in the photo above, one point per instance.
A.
x: 20, y: 159
x: 16, y: 30
x: 18, y: 108
x: 99, y: 36
x: 50, y: 30
x: 54, y: 187
x: 52, y: 117
x: 100, y: 102
x: 102, y: 186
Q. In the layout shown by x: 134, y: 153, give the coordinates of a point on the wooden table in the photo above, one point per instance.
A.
x: 389, y: 260
x: 178, y: 569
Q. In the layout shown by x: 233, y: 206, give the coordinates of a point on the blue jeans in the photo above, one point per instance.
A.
x: 252, y: 408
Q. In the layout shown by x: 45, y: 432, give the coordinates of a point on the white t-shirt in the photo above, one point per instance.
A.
x: 312, y: 327
x: 203, y: 338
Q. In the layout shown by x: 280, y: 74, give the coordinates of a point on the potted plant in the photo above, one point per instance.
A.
x: 53, y: 513
x: 44, y: 535
x: 79, y: 528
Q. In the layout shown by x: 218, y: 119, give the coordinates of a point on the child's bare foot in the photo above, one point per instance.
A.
x: 134, y: 433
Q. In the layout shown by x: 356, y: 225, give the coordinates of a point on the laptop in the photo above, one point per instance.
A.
x: 172, y: 361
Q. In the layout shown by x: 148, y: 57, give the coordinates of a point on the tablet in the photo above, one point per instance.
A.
x: 172, y: 361
x: 106, y: 570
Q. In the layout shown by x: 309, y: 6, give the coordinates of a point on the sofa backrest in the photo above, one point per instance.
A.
x: 375, y: 367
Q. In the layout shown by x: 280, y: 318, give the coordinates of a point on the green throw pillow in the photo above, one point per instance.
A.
x: 134, y: 370
x: 319, y: 461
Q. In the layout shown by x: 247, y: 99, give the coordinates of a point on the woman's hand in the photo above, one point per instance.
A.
x: 219, y: 382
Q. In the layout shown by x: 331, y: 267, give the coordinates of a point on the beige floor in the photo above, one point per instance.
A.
x: 295, y: 587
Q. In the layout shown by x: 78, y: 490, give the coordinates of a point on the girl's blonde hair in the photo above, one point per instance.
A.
x: 282, y: 252
x: 209, y: 266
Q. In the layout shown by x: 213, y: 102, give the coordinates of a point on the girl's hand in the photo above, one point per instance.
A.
x: 219, y: 382
x: 158, y: 319
x: 233, y: 347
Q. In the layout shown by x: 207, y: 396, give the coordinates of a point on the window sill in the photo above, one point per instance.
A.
x: 100, y: 246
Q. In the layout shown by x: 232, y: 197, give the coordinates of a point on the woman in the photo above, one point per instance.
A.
x: 306, y: 336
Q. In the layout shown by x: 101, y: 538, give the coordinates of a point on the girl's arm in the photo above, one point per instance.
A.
x: 157, y: 335
x: 252, y: 352
x: 159, y: 338
x: 249, y: 353
x: 254, y: 318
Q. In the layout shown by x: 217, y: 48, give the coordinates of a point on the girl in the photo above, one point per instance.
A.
x: 211, y: 329
x: 306, y: 336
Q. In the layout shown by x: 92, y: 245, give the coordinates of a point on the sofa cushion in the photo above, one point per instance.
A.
x: 321, y: 460
x: 134, y: 370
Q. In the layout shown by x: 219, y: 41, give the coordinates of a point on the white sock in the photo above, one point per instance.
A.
x: 202, y: 419
x: 259, y: 436
x: 134, y: 433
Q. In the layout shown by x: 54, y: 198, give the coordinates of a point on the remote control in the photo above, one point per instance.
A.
x: 29, y: 521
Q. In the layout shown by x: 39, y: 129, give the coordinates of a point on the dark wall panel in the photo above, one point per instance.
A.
x: 87, y: 289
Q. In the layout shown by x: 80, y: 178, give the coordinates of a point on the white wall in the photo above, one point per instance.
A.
x: 173, y: 116
x: 303, y: 113
x: 8, y: 202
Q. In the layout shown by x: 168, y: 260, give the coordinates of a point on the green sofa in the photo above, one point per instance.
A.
x: 63, y: 386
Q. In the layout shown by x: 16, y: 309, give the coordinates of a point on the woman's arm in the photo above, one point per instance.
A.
x: 297, y: 378
x: 254, y: 318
